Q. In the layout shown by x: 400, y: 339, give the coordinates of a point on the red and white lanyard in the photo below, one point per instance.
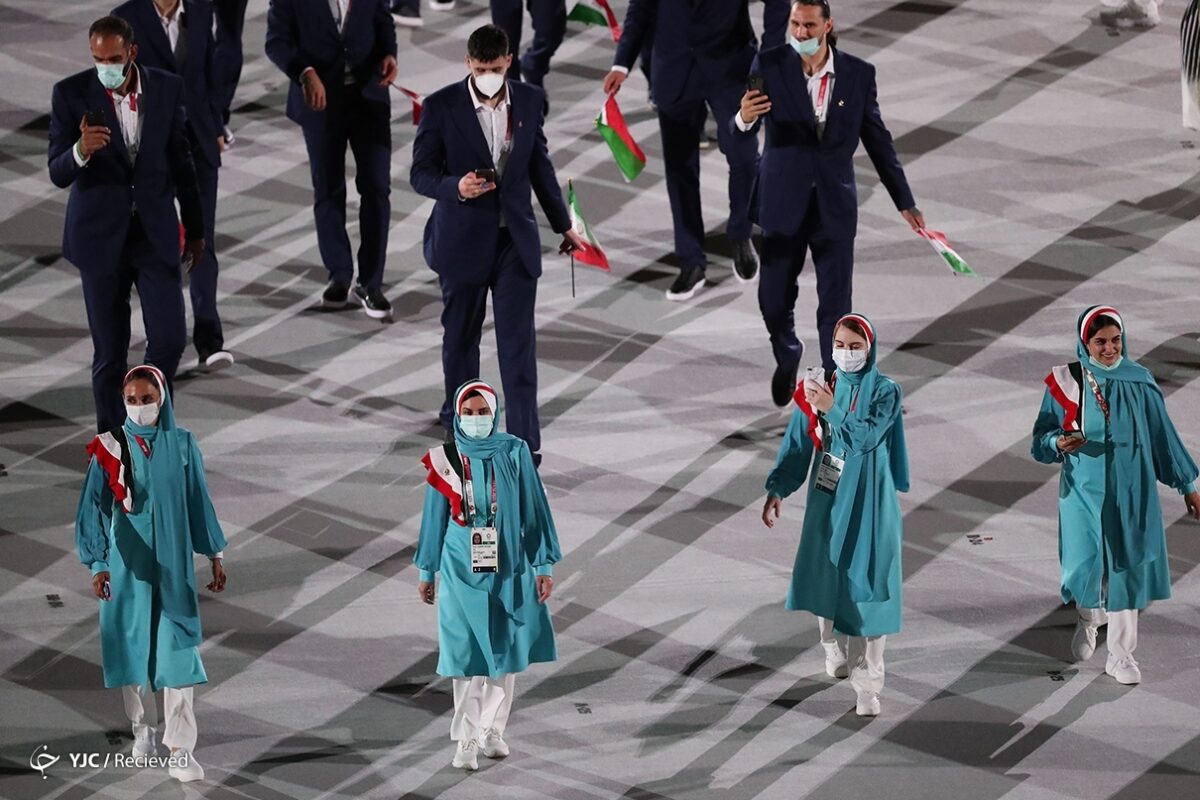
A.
x: 1100, y: 401
x: 822, y: 105
x: 469, y: 491
x: 142, y: 444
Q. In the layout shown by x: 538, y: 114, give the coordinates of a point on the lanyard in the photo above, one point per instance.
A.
x: 131, y: 97
x: 142, y: 444
x: 469, y: 490
x: 820, y: 109
x: 1098, y: 395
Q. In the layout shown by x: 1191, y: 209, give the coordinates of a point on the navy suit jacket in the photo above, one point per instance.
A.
x: 697, y: 45
x: 303, y: 34
x: 106, y: 190
x: 795, y: 159
x: 460, y: 237
x: 204, y: 110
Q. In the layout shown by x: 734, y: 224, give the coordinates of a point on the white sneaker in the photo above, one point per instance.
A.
x: 466, y: 755
x: 1083, y: 643
x: 218, y: 360
x: 867, y: 705
x: 492, y: 744
x: 1144, y: 14
x: 1124, y: 670
x: 189, y: 768
x: 143, y: 741
x: 441, y: 5
x: 835, y: 661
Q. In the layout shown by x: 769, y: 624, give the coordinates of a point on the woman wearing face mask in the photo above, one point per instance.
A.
x: 1104, y: 419
x: 143, y: 512
x: 492, y: 617
x: 847, y: 439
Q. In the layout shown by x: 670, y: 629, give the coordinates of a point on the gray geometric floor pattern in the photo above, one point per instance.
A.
x: 1047, y: 146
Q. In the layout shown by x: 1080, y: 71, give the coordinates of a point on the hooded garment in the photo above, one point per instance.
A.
x: 489, y: 624
x: 848, y: 566
x: 140, y: 518
x: 1112, y: 544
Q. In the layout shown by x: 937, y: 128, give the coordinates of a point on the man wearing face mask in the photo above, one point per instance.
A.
x: 480, y: 152
x: 818, y: 103
x: 117, y: 139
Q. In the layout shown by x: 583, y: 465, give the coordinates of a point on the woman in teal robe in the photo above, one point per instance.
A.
x: 848, y: 567
x: 1103, y: 418
x: 491, y: 624
x: 143, y: 512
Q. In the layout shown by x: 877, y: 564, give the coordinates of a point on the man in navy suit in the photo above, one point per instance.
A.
x: 702, y: 51
x: 341, y: 59
x: 228, y: 55
x: 818, y: 103
x: 118, y: 140
x: 549, y: 18
x: 176, y: 36
x: 480, y: 151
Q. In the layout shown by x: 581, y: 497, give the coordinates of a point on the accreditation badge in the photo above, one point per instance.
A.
x: 829, y: 472
x: 484, y: 552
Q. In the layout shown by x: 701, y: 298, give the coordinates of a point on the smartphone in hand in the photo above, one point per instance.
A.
x: 815, y: 376
x: 487, y: 173
x: 94, y: 119
x: 106, y: 590
x: 755, y: 83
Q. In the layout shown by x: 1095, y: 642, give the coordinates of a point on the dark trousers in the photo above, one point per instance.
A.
x: 409, y: 5
x: 514, y: 293
x: 106, y: 297
x: 682, y: 125
x: 228, y: 54
x: 549, y: 26
x: 207, y: 337
x: 782, y: 261
x: 366, y: 127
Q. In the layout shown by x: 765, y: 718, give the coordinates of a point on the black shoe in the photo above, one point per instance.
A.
x: 337, y: 295
x: 373, y: 302
x: 687, y: 284
x: 745, y: 261
x: 783, y: 385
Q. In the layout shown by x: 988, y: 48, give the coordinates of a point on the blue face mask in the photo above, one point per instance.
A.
x: 111, y: 75
x: 805, y: 47
x: 477, y: 426
x: 1115, y: 364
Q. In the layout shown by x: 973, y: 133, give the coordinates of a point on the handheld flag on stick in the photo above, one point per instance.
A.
x: 590, y: 16
x: 942, y: 247
x: 591, y: 253
x: 416, y: 102
x: 629, y: 157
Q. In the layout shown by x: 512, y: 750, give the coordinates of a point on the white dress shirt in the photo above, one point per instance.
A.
x: 820, y: 99
x: 129, y: 117
x: 171, y: 24
x: 495, y: 123
x: 339, y: 9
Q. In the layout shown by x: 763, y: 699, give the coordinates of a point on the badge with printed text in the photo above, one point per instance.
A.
x: 829, y: 472
x: 484, y: 553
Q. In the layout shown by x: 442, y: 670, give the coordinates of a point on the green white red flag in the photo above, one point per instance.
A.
x: 942, y: 247
x: 591, y: 252
x: 629, y: 157
x: 590, y: 16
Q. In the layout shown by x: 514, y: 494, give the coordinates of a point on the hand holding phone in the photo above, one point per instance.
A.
x: 488, y: 174
x: 815, y: 376
x: 94, y: 133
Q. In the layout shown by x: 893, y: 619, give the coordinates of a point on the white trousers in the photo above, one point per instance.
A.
x: 479, y: 704
x: 180, y: 732
x: 864, y: 656
x: 1122, y: 629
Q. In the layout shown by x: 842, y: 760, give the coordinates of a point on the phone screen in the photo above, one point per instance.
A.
x: 488, y: 174
x: 94, y: 118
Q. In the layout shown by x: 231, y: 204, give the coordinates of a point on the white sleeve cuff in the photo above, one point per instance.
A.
x: 219, y: 555
x: 79, y: 159
x: 742, y: 125
x: 620, y: 69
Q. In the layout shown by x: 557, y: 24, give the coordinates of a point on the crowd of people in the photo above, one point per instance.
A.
x: 146, y: 129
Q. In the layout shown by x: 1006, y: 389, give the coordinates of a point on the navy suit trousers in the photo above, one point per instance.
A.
x: 549, y: 26
x: 207, y: 337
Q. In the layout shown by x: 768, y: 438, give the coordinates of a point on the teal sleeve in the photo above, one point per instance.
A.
x: 1046, y: 429
x: 864, y: 435
x: 791, y: 464
x: 93, y: 519
x: 425, y: 576
x: 1173, y: 465
x: 435, y: 516
x: 539, y: 537
x: 545, y: 571
x: 207, y: 537
x: 1189, y: 489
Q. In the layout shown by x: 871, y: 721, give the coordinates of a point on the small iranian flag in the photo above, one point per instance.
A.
x: 942, y: 247
x: 417, y: 101
x: 591, y: 252
x: 590, y: 16
x: 629, y: 157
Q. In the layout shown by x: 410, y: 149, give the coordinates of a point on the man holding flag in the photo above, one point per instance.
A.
x: 702, y: 51
x: 480, y: 152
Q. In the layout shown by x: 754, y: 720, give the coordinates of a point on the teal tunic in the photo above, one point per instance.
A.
x: 1091, y: 530
x: 149, y: 632
x: 859, y: 585
x: 478, y: 635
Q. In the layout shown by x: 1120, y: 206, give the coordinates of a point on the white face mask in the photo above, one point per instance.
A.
x: 489, y: 84
x: 145, y: 415
x: 850, y: 360
x: 476, y: 426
